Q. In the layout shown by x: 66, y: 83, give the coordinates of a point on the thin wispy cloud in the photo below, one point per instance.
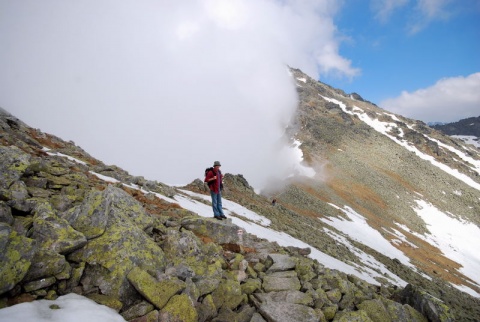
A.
x: 426, y: 12
x: 164, y: 88
x: 420, y: 13
x: 447, y: 99
x: 383, y: 9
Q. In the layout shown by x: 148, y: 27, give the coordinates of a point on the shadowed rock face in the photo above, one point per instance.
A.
x: 63, y: 230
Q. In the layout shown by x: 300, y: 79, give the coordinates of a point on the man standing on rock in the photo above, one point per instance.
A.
x: 214, y: 179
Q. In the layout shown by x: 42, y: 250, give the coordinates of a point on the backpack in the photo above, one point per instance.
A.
x: 207, y: 170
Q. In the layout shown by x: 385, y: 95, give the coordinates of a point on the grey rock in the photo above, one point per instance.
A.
x: 257, y: 317
x: 295, y: 297
x: 431, y: 307
x: 272, y: 284
x: 55, y: 233
x: 13, y: 163
x: 280, y: 263
x: 288, y: 312
x: 5, y: 214
x: 16, y: 259
x: 46, y: 263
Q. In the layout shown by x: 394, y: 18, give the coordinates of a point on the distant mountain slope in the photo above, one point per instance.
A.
x: 468, y: 126
x: 391, y: 173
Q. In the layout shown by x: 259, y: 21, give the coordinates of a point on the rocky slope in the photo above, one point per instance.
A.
x: 69, y: 223
x: 468, y: 126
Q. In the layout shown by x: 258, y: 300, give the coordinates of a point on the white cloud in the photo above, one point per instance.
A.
x: 383, y: 9
x: 419, y: 13
x: 164, y: 88
x: 449, y: 100
x: 427, y: 11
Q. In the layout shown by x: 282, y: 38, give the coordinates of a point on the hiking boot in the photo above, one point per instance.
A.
x: 217, y: 217
x: 223, y: 216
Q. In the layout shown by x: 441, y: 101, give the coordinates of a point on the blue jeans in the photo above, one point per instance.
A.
x: 217, y: 203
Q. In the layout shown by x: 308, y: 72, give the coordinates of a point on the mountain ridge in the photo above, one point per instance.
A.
x: 361, y: 171
x: 467, y: 126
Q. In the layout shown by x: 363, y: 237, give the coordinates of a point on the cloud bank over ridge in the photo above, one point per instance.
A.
x: 161, y: 88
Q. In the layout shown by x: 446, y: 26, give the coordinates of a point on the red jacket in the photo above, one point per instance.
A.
x: 214, y: 185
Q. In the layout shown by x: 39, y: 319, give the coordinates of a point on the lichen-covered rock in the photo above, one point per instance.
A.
x: 431, y: 307
x: 53, y: 232
x: 190, y: 256
x: 46, y: 263
x: 273, y: 283
x: 18, y: 195
x: 156, y: 292
x: 352, y: 316
x: 179, y: 308
x: 207, y: 285
x: 219, y: 231
x: 111, y: 301
x: 191, y: 290
x: 330, y: 311
x: 152, y: 316
x: 75, y: 277
x: 305, y: 269
x: 90, y: 218
x: 400, y: 312
x: 123, y: 246
x: 295, y: 297
x: 251, y: 285
x: 137, y: 310
x: 5, y: 215
x: 228, y: 294
x: 334, y: 295
x: 288, y: 312
x: 5, y: 230
x: 13, y: 163
x: 39, y: 284
x: 257, y: 318
x: 206, y: 310
x: 128, y: 206
x: 62, y: 202
x: 280, y: 262
x: 16, y: 260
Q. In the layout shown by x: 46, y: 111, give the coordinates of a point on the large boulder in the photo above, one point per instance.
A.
x: 179, y: 308
x: 275, y: 283
x: 220, y: 232
x: 90, y: 218
x: 13, y: 163
x: 384, y: 310
x: 16, y: 257
x: 191, y: 258
x: 55, y: 233
x: 123, y: 246
x: 295, y: 297
x: 280, y: 262
x: 156, y: 292
x: 288, y: 312
x: 431, y: 307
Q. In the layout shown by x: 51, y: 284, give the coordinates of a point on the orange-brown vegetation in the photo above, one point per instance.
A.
x: 153, y: 205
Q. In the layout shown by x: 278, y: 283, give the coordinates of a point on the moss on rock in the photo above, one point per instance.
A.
x: 179, y: 308
x: 16, y: 260
x: 156, y: 292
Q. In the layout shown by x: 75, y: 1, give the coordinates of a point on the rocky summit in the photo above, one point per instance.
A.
x: 71, y: 224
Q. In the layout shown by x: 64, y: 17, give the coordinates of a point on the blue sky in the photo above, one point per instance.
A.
x: 408, y: 49
x: 392, y: 58
x: 144, y: 84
